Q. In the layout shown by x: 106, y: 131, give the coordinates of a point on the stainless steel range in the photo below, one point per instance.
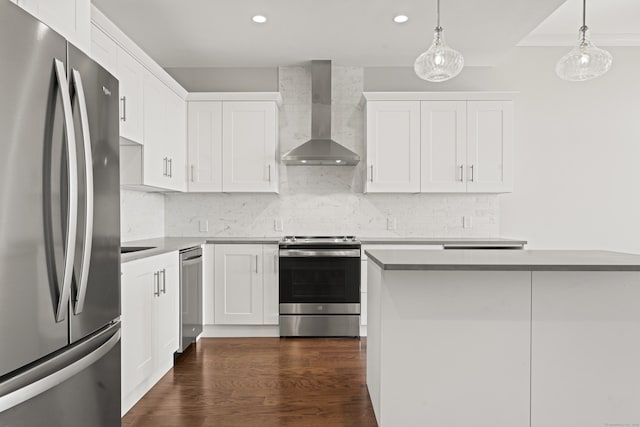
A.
x: 320, y: 286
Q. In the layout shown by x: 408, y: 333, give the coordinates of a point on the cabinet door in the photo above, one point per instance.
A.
x: 585, y: 349
x: 138, y: 285
x: 205, y: 146
x: 270, y: 276
x: 238, y: 285
x: 155, y: 131
x: 104, y: 51
x: 443, y: 146
x: 176, y: 143
x: 166, y: 322
x: 131, y: 75
x: 489, y: 146
x: 363, y: 292
x: 249, y: 143
x: 70, y: 18
x: 208, y: 280
x: 393, y: 147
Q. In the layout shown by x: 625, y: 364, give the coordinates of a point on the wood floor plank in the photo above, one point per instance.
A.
x: 261, y: 382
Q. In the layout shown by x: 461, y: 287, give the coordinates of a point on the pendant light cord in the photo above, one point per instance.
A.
x: 438, y: 16
x: 584, y: 28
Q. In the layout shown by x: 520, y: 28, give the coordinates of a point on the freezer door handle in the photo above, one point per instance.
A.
x: 55, y: 371
x: 88, y: 166
x: 72, y: 216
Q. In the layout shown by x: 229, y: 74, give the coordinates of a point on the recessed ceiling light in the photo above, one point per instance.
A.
x: 338, y: 161
x: 303, y: 161
x: 400, y: 19
x: 259, y: 19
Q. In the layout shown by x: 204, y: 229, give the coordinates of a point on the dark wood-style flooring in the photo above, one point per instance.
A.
x: 261, y: 382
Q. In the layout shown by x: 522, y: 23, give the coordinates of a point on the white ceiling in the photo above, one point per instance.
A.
x: 611, y: 23
x: 220, y: 33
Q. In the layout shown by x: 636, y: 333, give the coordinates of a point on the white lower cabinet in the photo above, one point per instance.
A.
x: 150, y: 323
x: 245, y: 284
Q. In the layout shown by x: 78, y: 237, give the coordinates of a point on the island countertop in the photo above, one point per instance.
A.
x: 505, y: 260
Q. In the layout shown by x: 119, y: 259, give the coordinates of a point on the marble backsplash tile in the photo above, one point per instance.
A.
x: 328, y: 200
x: 141, y: 215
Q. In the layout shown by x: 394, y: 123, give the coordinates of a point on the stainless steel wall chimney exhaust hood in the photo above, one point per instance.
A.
x: 321, y: 149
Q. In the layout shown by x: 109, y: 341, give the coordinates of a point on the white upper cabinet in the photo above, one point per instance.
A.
x: 204, y: 131
x: 164, y: 115
x: 156, y: 161
x: 443, y: 146
x: 465, y: 142
x: 131, y: 75
x: 176, y: 143
x: 249, y: 146
x: 70, y: 18
x: 393, y: 147
x: 104, y: 50
x: 490, y: 146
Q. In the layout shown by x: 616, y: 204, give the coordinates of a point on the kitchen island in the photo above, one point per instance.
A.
x: 503, y: 338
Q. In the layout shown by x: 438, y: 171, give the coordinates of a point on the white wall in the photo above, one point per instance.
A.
x: 327, y: 200
x: 141, y: 215
x: 226, y: 79
x: 577, y: 166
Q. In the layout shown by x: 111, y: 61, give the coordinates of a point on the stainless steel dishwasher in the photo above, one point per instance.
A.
x: 190, y: 296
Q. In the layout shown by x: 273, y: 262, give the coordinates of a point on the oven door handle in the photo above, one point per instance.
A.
x: 316, y: 253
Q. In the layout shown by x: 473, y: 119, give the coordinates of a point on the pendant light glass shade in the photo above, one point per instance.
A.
x: 439, y: 62
x: 585, y: 61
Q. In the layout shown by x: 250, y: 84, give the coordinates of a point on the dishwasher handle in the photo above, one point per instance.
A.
x: 192, y: 261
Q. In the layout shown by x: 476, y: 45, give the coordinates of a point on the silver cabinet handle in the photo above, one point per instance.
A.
x: 124, y: 108
x: 192, y: 174
x: 164, y: 166
x: 371, y: 170
x: 269, y: 172
x: 164, y: 281
x: 170, y: 168
x: 472, y: 179
x: 72, y: 202
x: 256, y: 263
x: 156, y: 284
x: 88, y: 223
x: 461, y: 167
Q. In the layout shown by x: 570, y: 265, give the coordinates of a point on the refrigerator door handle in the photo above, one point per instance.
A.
x: 48, y: 376
x: 72, y: 215
x: 88, y: 166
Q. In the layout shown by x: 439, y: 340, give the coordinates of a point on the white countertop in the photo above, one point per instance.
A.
x: 508, y: 260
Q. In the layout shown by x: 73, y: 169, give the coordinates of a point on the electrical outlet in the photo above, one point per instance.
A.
x: 467, y: 221
x: 392, y: 224
x: 203, y: 225
x: 277, y: 224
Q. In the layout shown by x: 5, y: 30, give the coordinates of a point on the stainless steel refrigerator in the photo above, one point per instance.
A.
x: 59, y: 231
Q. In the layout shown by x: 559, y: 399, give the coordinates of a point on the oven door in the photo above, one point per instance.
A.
x: 319, y: 276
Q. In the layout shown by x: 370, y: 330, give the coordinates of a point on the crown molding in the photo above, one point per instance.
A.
x: 600, y: 39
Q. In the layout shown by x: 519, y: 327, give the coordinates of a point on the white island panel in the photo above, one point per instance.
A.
x: 449, y: 348
x: 586, y: 349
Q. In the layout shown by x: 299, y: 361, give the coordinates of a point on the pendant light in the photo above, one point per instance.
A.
x: 439, y: 62
x: 585, y: 61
